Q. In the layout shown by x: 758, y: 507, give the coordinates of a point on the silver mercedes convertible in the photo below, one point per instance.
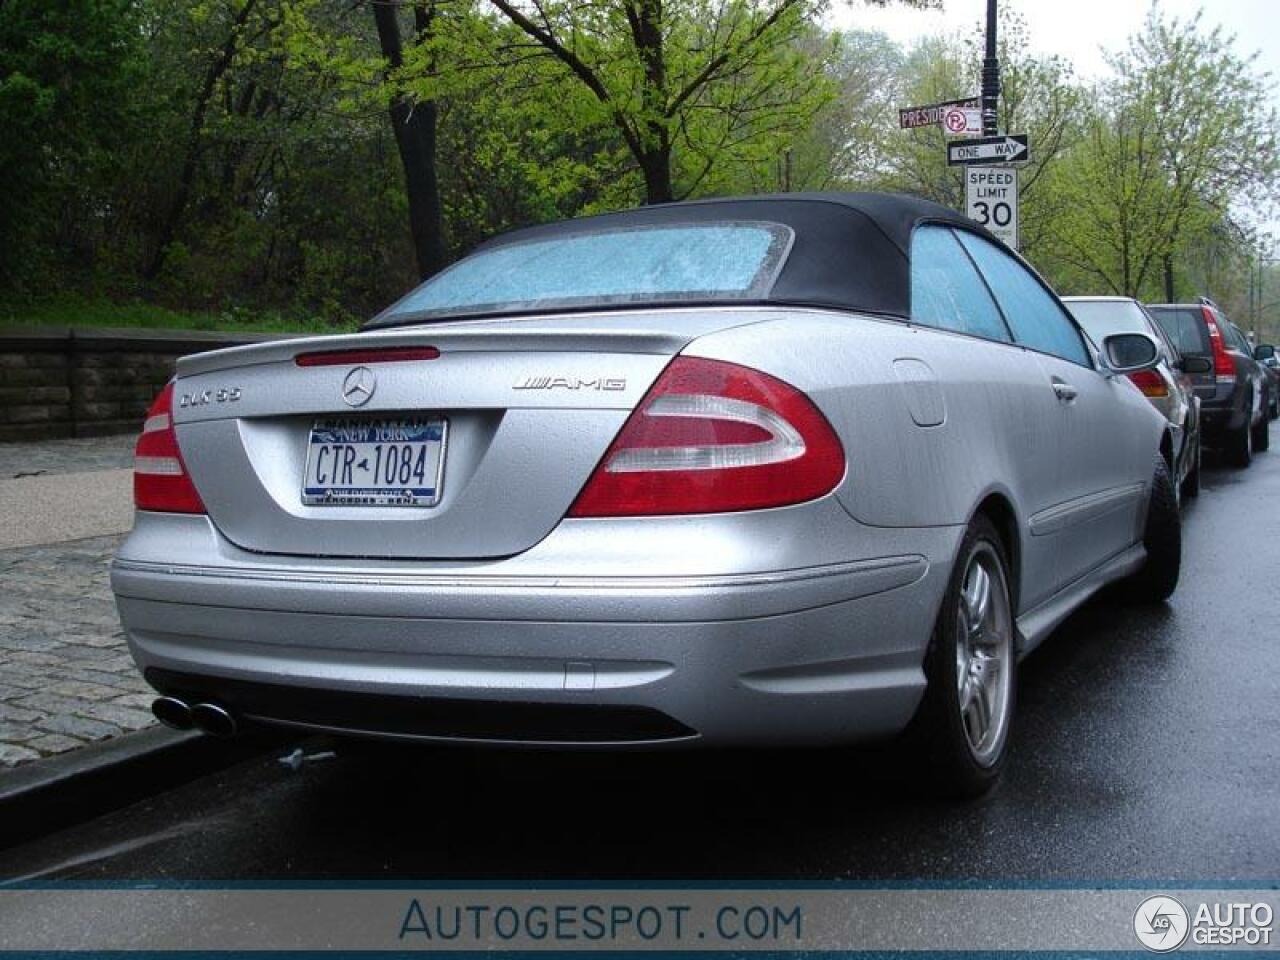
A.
x: 793, y: 470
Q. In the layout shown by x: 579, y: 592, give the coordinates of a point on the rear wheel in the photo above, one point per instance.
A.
x: 1261, y: 438
x: 1162, y: 537
x: 1239, y: 444
x: 1191, y: 482
x: 963, y: 723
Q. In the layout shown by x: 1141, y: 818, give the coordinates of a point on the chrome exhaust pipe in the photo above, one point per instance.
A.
x: 172, y: 712
x: 212, y: 719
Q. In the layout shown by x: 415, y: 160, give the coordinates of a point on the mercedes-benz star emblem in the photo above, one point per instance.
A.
x: 358, y: 387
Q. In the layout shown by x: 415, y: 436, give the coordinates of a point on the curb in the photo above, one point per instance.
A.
x: 46, y: 795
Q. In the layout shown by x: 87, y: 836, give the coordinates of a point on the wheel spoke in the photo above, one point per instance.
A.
x: 977, y: 598
x: 982, y: 711
x: 968, y: 690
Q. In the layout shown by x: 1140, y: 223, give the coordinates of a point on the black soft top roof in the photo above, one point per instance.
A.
x: 850, y: 250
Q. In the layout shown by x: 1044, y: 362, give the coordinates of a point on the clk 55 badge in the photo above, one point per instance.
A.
x: 202, y: 397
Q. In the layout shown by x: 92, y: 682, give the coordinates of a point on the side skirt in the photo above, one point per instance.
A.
x: 1040, y: 621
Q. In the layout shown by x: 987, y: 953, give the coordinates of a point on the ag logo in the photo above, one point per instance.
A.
x: 1161, y: 923
x: 358, y: 387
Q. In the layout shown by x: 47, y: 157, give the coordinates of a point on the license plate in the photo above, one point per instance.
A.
x: 394, y: 462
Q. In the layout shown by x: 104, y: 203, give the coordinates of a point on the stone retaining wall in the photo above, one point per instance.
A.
x: 85, y: 382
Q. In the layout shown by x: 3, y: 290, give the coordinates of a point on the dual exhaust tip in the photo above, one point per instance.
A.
x: 206, y: 717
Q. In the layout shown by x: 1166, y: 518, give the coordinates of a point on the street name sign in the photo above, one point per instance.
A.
x: 991, y: 198
x: 909, y: 118
x: 1011, y: 148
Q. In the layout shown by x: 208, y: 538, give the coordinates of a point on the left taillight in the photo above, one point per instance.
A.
x: 1150, y: 383
x: 713, y: 437
x: 160, y: 479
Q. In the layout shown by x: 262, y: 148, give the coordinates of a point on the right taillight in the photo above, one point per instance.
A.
x: 160, y: 479
x: 714, y: 437
x: 1224, y: 365
x: 1150, y: 383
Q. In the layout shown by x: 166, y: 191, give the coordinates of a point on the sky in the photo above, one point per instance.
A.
x: 1079, y: 30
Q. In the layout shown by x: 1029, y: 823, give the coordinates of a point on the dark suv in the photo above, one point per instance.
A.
x: 1235, y: 396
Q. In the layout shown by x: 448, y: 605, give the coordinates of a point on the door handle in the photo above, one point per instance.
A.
x: 1065, y: 391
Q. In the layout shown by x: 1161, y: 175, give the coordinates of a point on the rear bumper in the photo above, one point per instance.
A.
x: 1223, y: 415
x: 826, y: 652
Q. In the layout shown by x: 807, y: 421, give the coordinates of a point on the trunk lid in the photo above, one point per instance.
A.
x: 531, y: 406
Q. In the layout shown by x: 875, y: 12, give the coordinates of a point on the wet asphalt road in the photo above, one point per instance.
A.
x: 1146, y: 750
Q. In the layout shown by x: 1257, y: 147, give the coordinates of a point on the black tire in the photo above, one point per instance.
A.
x: 1162, y: 536
x: 941, y: 729
x: 1191, y: 482
x: 1238, y: 446
x: 1262, y: 433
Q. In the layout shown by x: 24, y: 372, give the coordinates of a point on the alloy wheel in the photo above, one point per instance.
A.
x: 984, y: 655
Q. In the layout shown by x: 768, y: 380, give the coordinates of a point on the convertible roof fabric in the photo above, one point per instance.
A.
x: 850, y: 249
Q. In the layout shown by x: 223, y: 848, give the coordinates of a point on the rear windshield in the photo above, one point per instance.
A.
x: 1184, y: 326
x: 638, y: 265
x: 1102, y: 318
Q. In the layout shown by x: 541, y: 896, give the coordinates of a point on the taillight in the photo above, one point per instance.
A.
x: 712, y: 437
x: 1224, y: 365
x: 1150, y: 383
x: 160, y: 480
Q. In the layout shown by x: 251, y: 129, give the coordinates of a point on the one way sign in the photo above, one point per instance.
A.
x: 1004, y: 149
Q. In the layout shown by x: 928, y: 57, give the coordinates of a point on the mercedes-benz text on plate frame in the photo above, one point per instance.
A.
x: 651, y: 479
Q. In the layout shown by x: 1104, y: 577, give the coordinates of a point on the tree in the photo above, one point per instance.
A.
x: 414, y: 124
x: 686, y: 84
x: 67, y: 71
x: 1180, y: 138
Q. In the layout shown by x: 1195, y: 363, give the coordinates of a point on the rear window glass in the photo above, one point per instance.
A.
x: 1185, y: 327
x: 688, y: 262
x: 1102, y: 318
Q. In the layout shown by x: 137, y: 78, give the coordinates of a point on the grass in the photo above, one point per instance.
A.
x: 81, y: 312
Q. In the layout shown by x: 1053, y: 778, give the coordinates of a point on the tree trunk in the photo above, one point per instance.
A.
x: 1168, y: 278
x: 415, y: 129
x: 656, y: 167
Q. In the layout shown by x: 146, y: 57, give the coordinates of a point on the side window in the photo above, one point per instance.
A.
x: 1035, y: 317
x: 1242, y: 342
x: 946, y: 291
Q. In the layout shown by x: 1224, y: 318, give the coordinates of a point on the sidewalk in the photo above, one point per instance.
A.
x: 66, y: 678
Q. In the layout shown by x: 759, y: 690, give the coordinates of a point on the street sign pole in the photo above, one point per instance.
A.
x: 990, y: 77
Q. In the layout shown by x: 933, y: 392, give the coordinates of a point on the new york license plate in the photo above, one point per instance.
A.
x: 396, y: 462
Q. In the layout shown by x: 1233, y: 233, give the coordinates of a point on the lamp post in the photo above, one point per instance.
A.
x: 991, y: 77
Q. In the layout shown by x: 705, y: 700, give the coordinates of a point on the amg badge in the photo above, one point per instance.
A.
x: 571, y: 383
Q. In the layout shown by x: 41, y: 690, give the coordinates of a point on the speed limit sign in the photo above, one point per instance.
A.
x: 991, y: 198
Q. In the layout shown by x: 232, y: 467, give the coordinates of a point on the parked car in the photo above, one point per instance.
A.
x: 1168, y: 386
x: 1235, y: 395
x: 805, y: 469
x: 1265, y: 353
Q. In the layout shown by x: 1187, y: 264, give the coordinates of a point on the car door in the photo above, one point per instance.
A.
x: 1180, y: 409
x: 1242, y: 352
x: 1104, y: 428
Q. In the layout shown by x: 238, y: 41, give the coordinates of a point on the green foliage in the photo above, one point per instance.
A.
x: 233, y: 162
x: 1177, y: 146
x: 66, y: 71
x: 75, y: 311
